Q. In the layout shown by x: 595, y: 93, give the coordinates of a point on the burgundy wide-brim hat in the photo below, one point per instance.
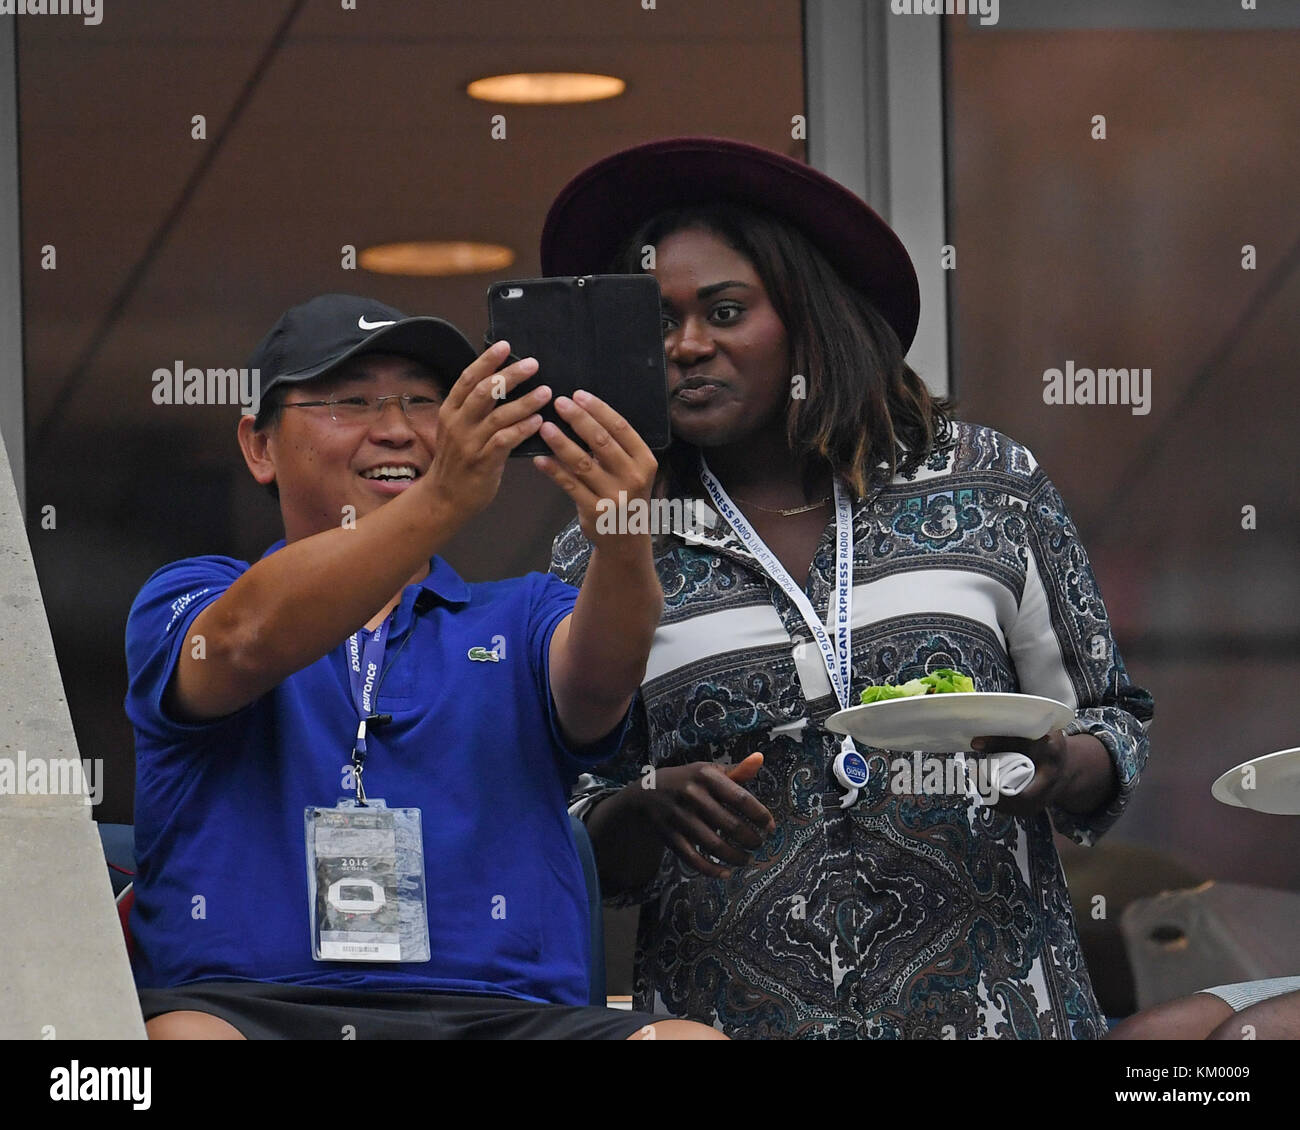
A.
x: 600, y: 208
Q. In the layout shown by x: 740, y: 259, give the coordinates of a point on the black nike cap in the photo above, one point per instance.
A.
x: 311, y: 339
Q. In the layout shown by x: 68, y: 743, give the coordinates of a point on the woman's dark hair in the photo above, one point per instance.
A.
x: 864, y: 406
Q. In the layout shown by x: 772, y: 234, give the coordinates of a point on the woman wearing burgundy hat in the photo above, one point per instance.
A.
x: 853, y: 535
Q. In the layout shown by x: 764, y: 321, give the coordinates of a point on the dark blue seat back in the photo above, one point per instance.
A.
x: 596, y: 924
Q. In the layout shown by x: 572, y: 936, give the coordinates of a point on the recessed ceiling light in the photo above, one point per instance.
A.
x: 546, y: 87
x: 436, y: 257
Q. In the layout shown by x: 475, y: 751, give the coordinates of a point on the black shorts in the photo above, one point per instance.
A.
x: 264, y: 1011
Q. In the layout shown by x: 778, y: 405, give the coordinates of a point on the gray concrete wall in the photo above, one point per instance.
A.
x: 64, y: 972
x: 11, y: 308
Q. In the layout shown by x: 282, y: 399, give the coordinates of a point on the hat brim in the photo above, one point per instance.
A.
x: 600, y: 208
x: 432, y: 341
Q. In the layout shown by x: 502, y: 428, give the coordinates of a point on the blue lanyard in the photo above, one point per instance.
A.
x: 365, y: 665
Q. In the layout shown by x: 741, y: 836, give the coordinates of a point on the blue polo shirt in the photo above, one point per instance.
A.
x: 221, y: 891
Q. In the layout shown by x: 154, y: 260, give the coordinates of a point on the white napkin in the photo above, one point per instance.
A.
x: 1013, y: 772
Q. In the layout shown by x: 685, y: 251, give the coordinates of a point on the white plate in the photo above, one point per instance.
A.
x: 946, y: 723
x: 1276, y: 784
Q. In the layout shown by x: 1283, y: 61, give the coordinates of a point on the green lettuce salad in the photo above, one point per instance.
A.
x: 943, y: 681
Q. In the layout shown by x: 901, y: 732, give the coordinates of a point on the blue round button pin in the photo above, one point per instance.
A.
x: 851, y: 769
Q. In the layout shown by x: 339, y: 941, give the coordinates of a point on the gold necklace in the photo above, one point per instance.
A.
x: 784, y: 513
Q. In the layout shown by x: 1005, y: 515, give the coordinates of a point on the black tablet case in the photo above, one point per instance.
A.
x: 602, y: 333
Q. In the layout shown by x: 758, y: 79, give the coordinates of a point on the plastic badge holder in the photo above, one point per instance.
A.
x: 365, y: 883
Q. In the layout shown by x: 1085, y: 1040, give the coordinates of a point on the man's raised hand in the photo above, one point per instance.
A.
x: 616, y: 467
x: 478, y: 428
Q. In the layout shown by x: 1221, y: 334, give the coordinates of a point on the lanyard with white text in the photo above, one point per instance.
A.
x: 364, y: 668
x: 850, y: 766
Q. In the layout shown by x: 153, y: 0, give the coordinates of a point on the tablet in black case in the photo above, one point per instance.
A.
x: 602, y: 333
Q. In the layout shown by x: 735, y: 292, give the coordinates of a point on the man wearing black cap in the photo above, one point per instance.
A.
x: 351, y: 765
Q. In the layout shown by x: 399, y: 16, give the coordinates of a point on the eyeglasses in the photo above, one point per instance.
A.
x: 367, y: 409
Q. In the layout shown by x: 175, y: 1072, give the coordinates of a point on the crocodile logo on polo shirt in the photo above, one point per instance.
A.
x: 484, y: 655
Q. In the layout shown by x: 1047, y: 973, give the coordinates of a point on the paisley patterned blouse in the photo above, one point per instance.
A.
x: 917, y: 912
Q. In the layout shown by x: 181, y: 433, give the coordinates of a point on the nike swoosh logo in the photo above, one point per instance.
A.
x: 361, y: 321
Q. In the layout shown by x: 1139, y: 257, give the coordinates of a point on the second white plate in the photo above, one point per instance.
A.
x: 1266, y: 784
